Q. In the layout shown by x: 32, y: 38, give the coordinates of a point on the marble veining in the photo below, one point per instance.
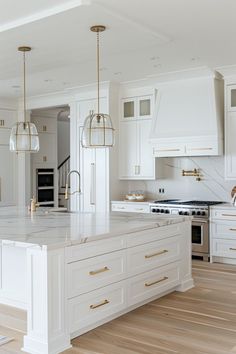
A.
x: 53, y: 229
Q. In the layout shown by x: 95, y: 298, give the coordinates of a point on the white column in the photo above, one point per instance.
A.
x: 47, y: 324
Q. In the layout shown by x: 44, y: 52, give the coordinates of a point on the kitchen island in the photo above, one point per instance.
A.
x: 74, y: 272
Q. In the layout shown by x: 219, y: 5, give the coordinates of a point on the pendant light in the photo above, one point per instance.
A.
x: 98, y: 131
x: 24, y: 135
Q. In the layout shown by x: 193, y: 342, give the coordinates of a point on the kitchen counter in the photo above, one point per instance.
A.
x: 58, y: 229
x: 223, y: 206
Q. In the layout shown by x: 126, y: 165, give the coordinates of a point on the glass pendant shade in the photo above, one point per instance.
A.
x: 24, y: 137
x: 98, y: 131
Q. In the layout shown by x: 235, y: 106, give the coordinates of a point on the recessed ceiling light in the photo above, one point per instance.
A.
x: 195, y: 59
x: 118, y: 73
x: 157, y: 65
x: 66, y: 83
x: 15, y: 86
x: 48, y: 80
x: 155, y: 57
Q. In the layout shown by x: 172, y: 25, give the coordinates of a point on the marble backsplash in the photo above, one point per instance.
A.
x: 212, y: 186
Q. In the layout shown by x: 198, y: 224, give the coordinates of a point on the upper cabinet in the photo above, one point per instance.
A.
x: 136, y: 157
x: 230, y: 129
x: 137, y: 107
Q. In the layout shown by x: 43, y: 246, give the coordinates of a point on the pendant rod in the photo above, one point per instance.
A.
x: 24, y: 85
x: 98, y: 73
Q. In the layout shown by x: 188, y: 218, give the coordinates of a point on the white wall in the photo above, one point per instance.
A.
x: 63, y: 140
x: 213, y: 186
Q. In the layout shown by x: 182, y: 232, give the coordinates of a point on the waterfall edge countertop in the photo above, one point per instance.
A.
x: 54, y: 229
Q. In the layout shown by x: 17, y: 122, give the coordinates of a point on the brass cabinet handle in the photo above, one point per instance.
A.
x: 2, y: 122
x: 163, y: 150
x: 94, y: 272
x: 228, y: 215
x: 105, y: 302
x: 156, y: 282
x: 232, y: 229
x: 44, y: 128
x: 232, y: 249
x: 200, y: 148
x: 44, y: 158
x: 139, y: 209
x: 156, y: 254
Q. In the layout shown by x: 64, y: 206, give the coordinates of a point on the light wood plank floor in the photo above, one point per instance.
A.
x: 200, y: 321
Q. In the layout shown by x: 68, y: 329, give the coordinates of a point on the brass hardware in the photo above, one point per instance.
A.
x: 196, y: 149
x: 2, y: 122
x: 44, y: 128
x: 192, y: 173
x: 105, y: 302
x: 232, y: 249
x: 33, y: 204
x: 232, y: 229
x: 44, y: 158
x: 94, y: 272
x: 139, y: 209
x: 228, y: 215
x: 163, y: 150
x: 156, y: 254
x: 156, y: 282
x: 24, y: 49
x: 98, y: 28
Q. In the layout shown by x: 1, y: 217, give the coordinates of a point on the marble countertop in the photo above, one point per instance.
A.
x: 51, y: 229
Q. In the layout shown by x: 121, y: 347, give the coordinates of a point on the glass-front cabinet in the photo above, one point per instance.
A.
x: 137, y: 108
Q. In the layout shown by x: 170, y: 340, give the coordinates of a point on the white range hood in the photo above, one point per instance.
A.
x: 188, y: 117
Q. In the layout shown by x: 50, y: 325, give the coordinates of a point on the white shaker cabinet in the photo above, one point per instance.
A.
x: 136, y: 158
x: 93, y: 166
x: 230, y: 129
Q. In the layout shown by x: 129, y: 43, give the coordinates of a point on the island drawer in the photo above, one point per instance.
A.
x: 153, y: 283
x: 151, y: 255
x: 223, y: 229
x: 224, y: 248
x: 90, y: 308
x: 94, y: 248
x: 154, y: 234
x: 93, y: 273
x: 130, y: 207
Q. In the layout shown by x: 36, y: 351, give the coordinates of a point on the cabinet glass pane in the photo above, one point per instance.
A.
x: 145, y: 107
x: 233, y: 98
x: 129, y: 109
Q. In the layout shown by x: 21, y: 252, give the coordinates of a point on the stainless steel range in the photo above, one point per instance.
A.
x: 199, y: 210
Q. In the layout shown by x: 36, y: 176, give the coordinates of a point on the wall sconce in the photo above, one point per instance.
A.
x: 192, y: 173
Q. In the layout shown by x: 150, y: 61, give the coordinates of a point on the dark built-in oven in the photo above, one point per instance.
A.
x: 200, y: 237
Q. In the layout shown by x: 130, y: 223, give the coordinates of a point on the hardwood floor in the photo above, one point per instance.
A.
x: 200, y: 321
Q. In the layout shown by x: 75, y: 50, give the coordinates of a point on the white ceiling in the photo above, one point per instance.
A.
x: 144, y: 38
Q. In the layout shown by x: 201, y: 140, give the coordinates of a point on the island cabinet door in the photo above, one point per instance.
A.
x: 93, y: 273
x: 151, y: 255
x: 86, y: 310
x: 153, y: 283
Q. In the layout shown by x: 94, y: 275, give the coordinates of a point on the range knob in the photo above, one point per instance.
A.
x: 203, y: 213
x: 162, y: 210
x: 198, y: 213
x: 180, y: 212
x: 193, y: 212
x: 157, y: 210
x: 167, y: 211
x: 186, y: 213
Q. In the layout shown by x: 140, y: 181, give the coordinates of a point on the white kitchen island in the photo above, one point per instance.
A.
x: 74, y: 272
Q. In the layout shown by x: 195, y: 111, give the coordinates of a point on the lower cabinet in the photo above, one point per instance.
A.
x: 223, y: 235
x: 105, y: 286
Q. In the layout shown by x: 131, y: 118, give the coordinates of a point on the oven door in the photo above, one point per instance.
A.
x: 200, y: 236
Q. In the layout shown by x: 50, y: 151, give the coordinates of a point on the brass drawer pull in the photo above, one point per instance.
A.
x: 156, y: 254
x: 232, y: 229
x: 232, y: 249
x: 94, y: 272
x: 156, y: 282
x: 201, y: 148
x: 105, y: 302
x: 163, y: 150
x: 228, y: 215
